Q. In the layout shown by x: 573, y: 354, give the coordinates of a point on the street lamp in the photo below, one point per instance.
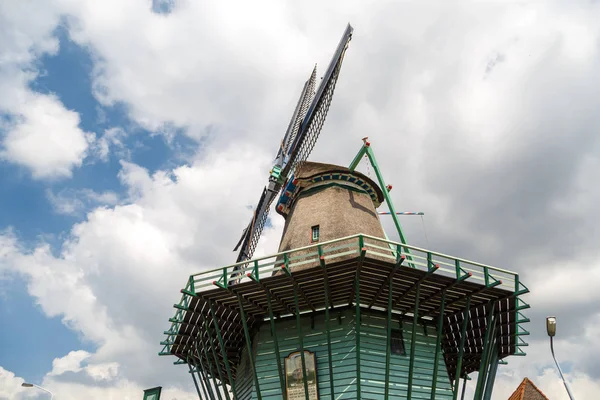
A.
x: 551, y: 329
x: 28, y: 385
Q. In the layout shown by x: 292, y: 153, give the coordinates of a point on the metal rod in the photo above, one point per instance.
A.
x: 463, y: 334
x: 327, y: 322
x: 436, y: 357
x: 200, y: 378
x: 195, y: 380
x: 216, y: 358
x: 388, y: 199
x: 249, y: 346
x: 559, y: 370
x: 464, y: 388
x: 212, y: 374
x: 485, y: 353
x: 413, y: 338
x: 202, y: 372
x: 402, y: 213
x: 489, y: 386
x: 223, y: 350
x: 358, y: 157
x: 276, y: 343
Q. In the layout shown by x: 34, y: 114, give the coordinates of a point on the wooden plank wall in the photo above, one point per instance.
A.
x: 373, y: 347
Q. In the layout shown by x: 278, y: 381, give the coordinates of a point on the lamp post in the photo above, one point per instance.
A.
x: 28, y: 385
x: 551, y: 329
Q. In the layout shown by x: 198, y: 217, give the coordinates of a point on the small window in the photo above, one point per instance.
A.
x: 315, y: 233
x: 397, y: 345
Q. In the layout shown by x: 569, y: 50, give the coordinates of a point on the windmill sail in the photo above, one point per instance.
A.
x: 316, y: 114
x: 298, y: 141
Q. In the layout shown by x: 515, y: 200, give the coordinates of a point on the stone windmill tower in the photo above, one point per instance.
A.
x: 341, y: 312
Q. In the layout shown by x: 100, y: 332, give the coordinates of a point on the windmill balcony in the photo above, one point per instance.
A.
x: 380, y: 319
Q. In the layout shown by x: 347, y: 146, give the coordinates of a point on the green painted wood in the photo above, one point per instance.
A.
x: 373, y: 350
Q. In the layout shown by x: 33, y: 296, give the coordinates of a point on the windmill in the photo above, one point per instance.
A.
x: 341, y: 311
x: 297, y: 143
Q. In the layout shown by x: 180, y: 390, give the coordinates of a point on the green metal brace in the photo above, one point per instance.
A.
x: 366, y: 149
x: 192, y: 372
x: 212, y: 374
x: 484, y: 355
x: 413, y: 338
x: 399, y: 260
x: 327, y: 322
x: 222, y: 345
x: 286, y: 269
x: 357, y: 320
x: 248, y: 345
x: 463, y: 336
x: 276, y: 343
x: 214, y: 353
x: 491, y: 375
x: 436, y: 357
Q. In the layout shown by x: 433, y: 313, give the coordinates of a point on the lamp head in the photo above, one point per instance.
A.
x: 25, y: 384
x: 551, y: 326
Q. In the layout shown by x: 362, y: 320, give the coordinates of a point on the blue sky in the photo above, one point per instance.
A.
x: 25, y: 207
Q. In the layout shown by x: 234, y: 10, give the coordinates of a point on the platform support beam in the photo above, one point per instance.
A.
x: 413, y: 339
x: 357, y: 317
x: 276, y: 344
x: 210, y: 370
x: 489, y: 386
x: 463, y: 337
x: 487, y: 346
x: 328, y: 305
x: 249, y: 346
x: 223, y: 350
x: 436, y: 357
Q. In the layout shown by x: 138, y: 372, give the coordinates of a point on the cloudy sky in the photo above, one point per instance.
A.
x: 135, y: 136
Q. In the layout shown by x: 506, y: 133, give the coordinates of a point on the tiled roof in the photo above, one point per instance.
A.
x: 528, y: 391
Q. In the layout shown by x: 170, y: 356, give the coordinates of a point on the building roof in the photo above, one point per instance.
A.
x: 527, y: 391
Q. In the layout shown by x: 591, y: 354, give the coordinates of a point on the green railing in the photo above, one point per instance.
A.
x: 351, y: 246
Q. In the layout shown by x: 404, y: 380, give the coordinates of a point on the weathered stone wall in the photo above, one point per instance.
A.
x: 338, y: 211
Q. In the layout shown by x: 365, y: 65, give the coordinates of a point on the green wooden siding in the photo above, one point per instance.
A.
x: 343, y: 343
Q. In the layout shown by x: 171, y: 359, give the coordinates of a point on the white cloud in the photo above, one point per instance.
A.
x: 69, y: 363
x: 77, y: 201
x: 72, y: 362
x: 41, y: 134
x: 10, y: 385
x: 46, y: 138
x: 112, y: 138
